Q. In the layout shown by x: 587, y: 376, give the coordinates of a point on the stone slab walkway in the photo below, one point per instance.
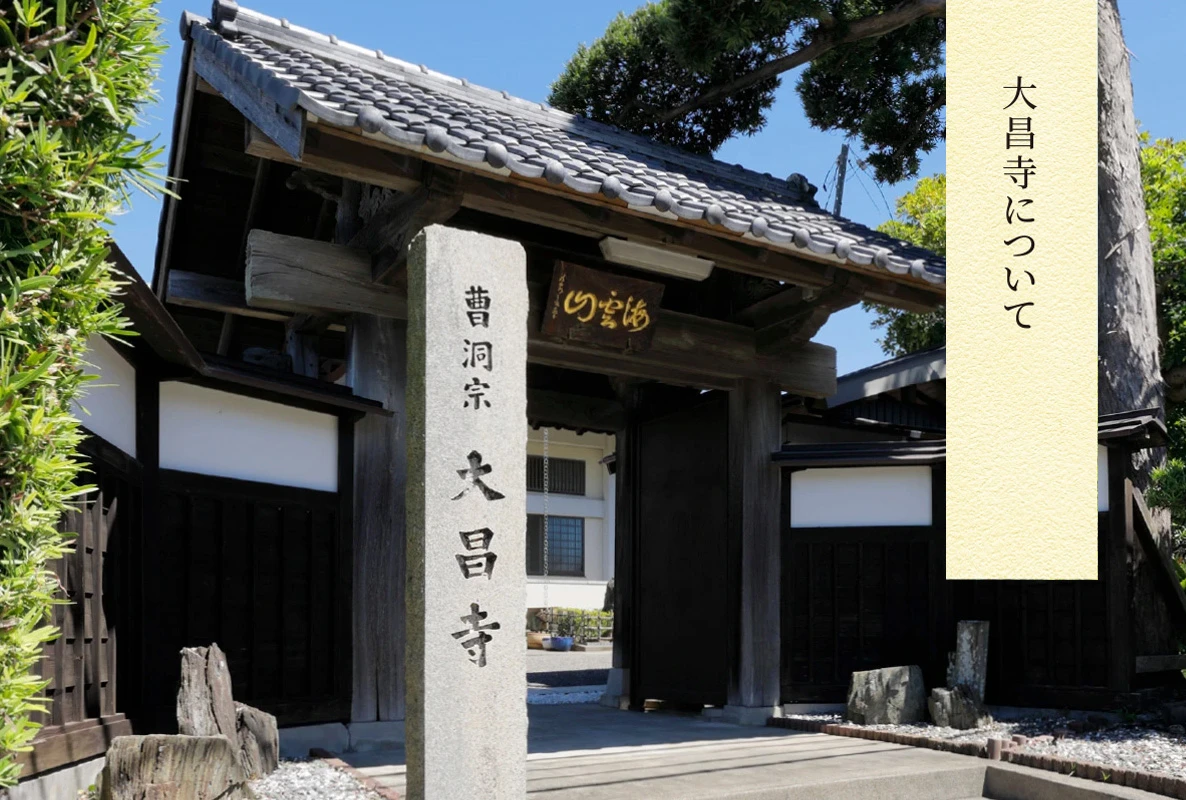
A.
x: 588, y: 752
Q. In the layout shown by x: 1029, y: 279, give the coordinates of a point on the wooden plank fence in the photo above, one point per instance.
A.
x: 80, y: 664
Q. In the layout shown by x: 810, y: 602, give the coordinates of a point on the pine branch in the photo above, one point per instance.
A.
x: 829, y: 38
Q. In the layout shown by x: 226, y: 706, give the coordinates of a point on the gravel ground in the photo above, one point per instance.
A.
x: 563, y: 698
x: 310, y: 780
x: 1145, y: 747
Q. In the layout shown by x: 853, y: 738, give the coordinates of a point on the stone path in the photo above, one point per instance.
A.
x: 588, y: 752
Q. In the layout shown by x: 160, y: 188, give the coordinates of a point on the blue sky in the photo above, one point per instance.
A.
x: 520, y: 46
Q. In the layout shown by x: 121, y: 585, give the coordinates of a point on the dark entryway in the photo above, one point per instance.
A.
x: 682, y: 578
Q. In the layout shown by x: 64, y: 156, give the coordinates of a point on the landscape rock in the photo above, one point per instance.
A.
x: 957, y: 708
x: 891, y: 696
x: 160, y: 766
x: 258, y: 740
x: 205, y: 706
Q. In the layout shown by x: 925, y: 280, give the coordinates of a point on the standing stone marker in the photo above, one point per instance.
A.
x: 466, y: 512
x: 968, y: 665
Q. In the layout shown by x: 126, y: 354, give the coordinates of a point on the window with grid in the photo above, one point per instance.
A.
x: 566, y: 546
x: 565, y: 475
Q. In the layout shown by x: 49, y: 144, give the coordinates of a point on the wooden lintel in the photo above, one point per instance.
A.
x: 286, y: 273
x: 574, y: 411
x: 369, y: 161
x: 194, y: 290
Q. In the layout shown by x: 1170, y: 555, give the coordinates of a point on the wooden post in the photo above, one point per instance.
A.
x: 755, y: 432
x: 378, y: 358
x: 1118, y: 572
x: 941, y: 624
x: 617, y: 690
x: 377, y: 370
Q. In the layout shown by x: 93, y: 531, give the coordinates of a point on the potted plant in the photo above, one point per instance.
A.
x: 565, y: 628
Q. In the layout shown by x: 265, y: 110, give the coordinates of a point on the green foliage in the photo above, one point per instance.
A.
x: 72, y: 76
x: 921, y: 220
x: 888, y: 91
x: 629, y: 72
x: 1167, y: 489
x: 1163, y: 173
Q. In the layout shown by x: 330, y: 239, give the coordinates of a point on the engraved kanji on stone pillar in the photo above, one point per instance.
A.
x: 467, y: 441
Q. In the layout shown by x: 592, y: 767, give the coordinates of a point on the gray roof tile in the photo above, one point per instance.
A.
x: 352, y: 87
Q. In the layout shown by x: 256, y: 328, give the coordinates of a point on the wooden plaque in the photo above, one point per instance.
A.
x: 599, y: 308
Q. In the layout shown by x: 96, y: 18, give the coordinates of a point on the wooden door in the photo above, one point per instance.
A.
x: 682, y: 582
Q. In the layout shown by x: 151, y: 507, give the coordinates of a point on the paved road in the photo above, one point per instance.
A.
x: 546, y: 668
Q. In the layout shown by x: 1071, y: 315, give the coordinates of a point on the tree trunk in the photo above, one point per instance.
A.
x: 1129, y: 369
x: 1129, y: 364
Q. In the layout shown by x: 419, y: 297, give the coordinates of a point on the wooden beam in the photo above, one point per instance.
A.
x: 287, y: 273
x: 333, y: 155
x: 390, y: 230
x: 1174, y: 663
x: 574, y: 411
x: 194, y: 290
x: 370, y: 161
x: 800, y: 323
x: 304, y: 276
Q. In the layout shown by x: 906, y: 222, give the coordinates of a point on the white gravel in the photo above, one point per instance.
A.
x: 564, y: 695
x: 1145, y: 747
x: 310, y: 780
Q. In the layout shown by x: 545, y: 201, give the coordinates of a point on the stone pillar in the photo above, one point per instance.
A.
x: 755, y: 432
x: 467, y: 512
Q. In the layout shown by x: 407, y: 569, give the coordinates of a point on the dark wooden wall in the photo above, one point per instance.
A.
x: 264, y: 571
x: 1048, y: 640
x: 867, y: 597
x: 854, y: 599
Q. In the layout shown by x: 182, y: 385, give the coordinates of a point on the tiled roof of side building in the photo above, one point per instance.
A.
x: 415, y: 108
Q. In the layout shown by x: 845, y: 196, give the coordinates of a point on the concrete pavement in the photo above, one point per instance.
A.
x: 588, y: 752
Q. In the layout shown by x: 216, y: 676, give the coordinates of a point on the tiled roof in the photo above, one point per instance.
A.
x: 414, y: 108
x: 909, y: 370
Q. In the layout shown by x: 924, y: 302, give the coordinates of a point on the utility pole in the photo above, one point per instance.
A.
x: 841, y: 169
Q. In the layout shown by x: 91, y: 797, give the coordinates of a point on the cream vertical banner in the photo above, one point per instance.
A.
x: 1021, y: 289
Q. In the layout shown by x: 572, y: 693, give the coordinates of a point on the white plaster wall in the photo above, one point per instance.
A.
x: 218, y: 433
x: 596, y: 507
x: 565, y: 593
x: 108, y: 408
x: 853, y: 496
x: 1102, y: 467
